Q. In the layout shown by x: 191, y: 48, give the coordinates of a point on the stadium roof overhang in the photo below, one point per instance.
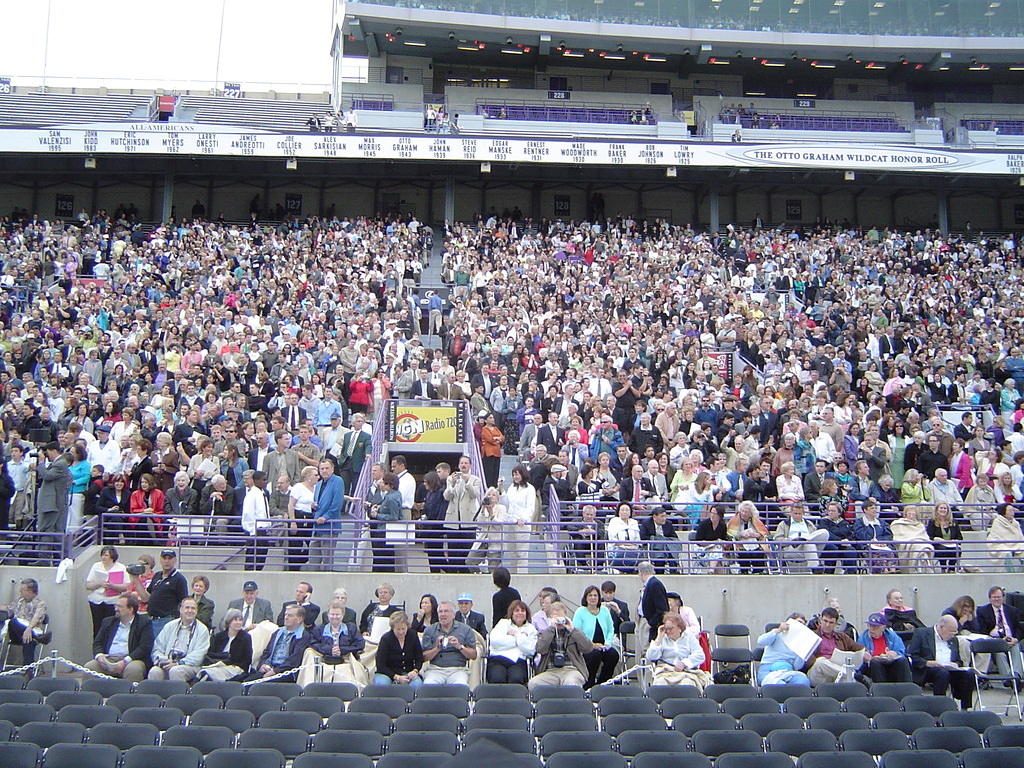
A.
x: 499, y: 40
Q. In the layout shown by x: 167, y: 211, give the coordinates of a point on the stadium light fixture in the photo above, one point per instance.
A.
x: 609, y: 56
x: 671, y: 172
x: 485, y: 167
x: 414, y: 43
x: 291, y: 164
x: 772, y: 63
x: 755, y: 93
x: 654, y: 58
x: 513, y: 51
x: 1016, y: 67
x: 874, y: 65
x: 849, y: 176
x: 716, y: 60
x: 572, y: 54
x: 704, y: 53
x: 976, y: 67
x: 90, y: 163
x: 940, y: 61
x: 823, y: 64
x: 468, y: 48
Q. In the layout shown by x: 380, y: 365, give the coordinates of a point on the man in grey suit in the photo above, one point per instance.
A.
x: 529, y: 439
x: 54, y: 486
x: 253, y: 607
x: 282, y: 460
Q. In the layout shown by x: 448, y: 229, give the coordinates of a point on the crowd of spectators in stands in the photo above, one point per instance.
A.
x: 604, y: 348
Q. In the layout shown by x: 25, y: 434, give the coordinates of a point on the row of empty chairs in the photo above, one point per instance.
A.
x: 30, y: 109
x: 824, y: 123
x: 561, y: 114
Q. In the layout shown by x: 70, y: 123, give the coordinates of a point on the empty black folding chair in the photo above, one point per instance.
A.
x: 6, y: 730
x: 403, y: 692
x: 19, y: 714
x: 440, y: 706
x: 250, y: 758
x: 327, y: 760
x: 447, y: 723
x: 87, y: 714
x: 633, y: 743
x: 499, y: 691
x: 781, y: 693
x: 412, y: 759
x: 46, y: 735
x: 716, y: 743
x: 898, y: 691
x: 586, y: 760
x: 162, y: 717
x: 278, y: 689
x: 952, y: 739
x: 83, y: 756
x: 162, y: 757
x: 908, y: 722
x: 162, y: 688
x: 13, y: 682
x: 190, y: 703
x: 924, y: 758
x: 125, y: 701
x: 842, y: 691
x: 47, y: 685
x: 663, y: 693
x: 392, y: 707
x: 124, y: 735
x: 205, y: 738
x: 720, y: 693
x: 805, y: 706
x: 796, y: 742
x: 19, y: 696
x: 360, y: 721
x: 1004, y: 757
x: 544, y: 723
x: 977, y: 719
x: 423, y: 741
x: 310, y: 722
x: 477, y: 722
x: 106, y: 686
x: 433, y: 691
x: 563, y: 707
x: 343, y: 691
x: 574, y: 741
x: 1005, y: 736
x: 369, y: 743
x: 670, y: 760
x: 236, y: 720
x: 611, y: 705
x: 517, y: 742
x: 763, y: 724
x: 60, y: 699
x: 225, y: 689
x: 838, y: 722
x: 258, y: 705
x: 754, y: 760
x: 836, y: 760
x: 16, y: 754
x: 933, y: 705
x: 288, y: 741
x: 324, y: 706
x: 869, y: 706
x: 691, y: 724
x: 875, y: 742
x: 539, y: 692
x: 508, y: 706
x: 740, y: 707
x: 998, y: 647
x: 616, y: 724
x: 671, y: 708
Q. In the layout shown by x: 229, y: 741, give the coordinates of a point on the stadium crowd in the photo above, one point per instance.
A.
x: 231, y: 371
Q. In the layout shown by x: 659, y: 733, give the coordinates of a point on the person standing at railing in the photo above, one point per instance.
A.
x: 256, y: 517
x: 331, y: 522
x: 464, y: 493
x: 54, y: 489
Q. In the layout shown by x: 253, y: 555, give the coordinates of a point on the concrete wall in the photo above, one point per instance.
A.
x: 750, y: 600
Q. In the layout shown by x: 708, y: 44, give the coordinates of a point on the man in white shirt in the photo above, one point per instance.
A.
x: 105, y: 451
x: 256, y: 519
x: 406, y: 485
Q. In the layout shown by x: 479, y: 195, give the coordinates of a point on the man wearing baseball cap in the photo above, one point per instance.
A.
x: 166, y: 591
x: 253, y: 607
x: 472, y: 619
x: 889, y: 662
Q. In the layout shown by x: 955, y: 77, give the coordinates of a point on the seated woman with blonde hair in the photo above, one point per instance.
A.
x: 676, y: 655
x: 1006, y: 539
x: 914, y: 551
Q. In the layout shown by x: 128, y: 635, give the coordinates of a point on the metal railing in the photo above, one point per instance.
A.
x: 563, y: 541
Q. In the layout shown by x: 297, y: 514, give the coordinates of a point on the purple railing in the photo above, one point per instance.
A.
x: 820, y: 123
x: 1004, y: 127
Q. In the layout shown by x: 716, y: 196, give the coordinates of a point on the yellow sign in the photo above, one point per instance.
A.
x: 442, y: 423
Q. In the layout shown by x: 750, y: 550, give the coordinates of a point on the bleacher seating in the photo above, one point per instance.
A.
x: 1002, y: 127
x: 546, y: 114
x: 271, y: 723
x: 823, y: 123
x: 41, y: 109
x: 268, y: 114
x: 375, y: 105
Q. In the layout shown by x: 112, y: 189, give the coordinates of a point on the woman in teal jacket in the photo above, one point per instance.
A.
x: 595, y: 621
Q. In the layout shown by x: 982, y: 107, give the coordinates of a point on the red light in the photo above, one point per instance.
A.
x: 481, y: 46
x: 919, y: 66
x: 526, y: 50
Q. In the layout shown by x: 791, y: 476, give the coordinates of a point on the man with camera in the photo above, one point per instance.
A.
x: 181, y: 646
x: 448, y: 645
x: 124, y: 645
x: 165, y: 592
x: 561, y: 647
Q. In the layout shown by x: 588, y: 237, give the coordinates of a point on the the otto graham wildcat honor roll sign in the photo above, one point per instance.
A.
x: 410, y: 421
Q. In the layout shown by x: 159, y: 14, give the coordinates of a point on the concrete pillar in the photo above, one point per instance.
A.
x: 713, y: 224
x: 167, y: 199
x: 943, y: 201
x: 449, y: 199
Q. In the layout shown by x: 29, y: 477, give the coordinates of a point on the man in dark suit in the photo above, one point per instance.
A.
x: 472, y: 619
x: 935, y: 657
x: 303, y: 598
x: 285, y: 649
x: 653, y: 598
x: 123, y: 647
x: 550, y: 435
x: 1004, y: 622
x: 636, y: 487
x: 813, y: 481
x: 253, y: 607
x: 422, y: 389
x: 293, y: 414
x: 354, y: 448
x: 618, y: 608
x: 664, y: 542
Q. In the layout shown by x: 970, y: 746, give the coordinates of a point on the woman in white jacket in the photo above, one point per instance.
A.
x: 520, y: 509
x: 513, y: 642
x: 676, y: 655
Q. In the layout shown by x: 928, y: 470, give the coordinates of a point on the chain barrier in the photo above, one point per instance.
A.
x: 54, y: 660
x: 279, y: 675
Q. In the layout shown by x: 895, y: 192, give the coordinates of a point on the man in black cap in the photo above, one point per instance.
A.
x: 253, y: 607
x: 166, y: 591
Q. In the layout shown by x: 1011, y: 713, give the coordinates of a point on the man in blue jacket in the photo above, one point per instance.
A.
x: 889, y: 662
x: 330, y: 521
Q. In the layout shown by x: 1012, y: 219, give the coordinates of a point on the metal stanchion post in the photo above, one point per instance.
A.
x: 54, y: 656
